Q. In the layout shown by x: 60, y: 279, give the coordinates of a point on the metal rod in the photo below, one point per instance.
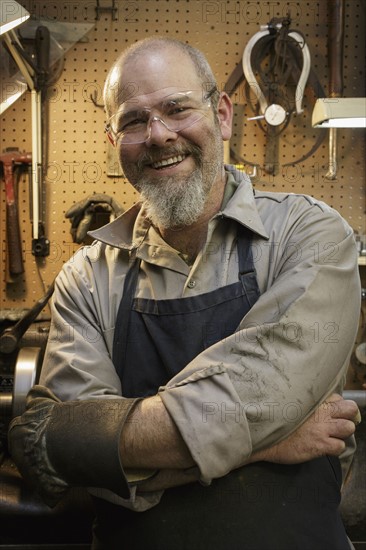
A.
x: 36, y: 160
x: 359, y: 396
x: 332, y: 164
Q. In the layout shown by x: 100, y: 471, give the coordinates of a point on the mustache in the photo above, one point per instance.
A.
x: 155, y: 155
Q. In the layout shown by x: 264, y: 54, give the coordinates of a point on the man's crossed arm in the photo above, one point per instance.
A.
x: 90, y: 443
x: 150, y: 439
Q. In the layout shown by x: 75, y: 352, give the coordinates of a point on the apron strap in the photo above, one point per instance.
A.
x: 121, y: 329
x: 247, y: 275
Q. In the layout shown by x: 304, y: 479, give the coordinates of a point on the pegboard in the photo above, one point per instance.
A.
x: 77, y: 164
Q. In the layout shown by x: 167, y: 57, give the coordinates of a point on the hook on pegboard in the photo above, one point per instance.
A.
x: 112, y: 8
x: 94, y: 99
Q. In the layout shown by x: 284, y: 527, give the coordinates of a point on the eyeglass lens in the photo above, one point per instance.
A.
x: 177, y: 112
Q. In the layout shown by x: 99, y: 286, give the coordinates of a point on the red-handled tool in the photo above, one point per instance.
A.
x: 11, y: 159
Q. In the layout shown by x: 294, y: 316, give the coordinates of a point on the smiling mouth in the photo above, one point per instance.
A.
x: 165, y: 163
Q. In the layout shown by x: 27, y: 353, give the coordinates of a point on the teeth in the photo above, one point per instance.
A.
x: 167, y: 162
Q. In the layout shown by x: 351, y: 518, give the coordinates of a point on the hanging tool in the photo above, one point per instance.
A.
x: 335, y: 54
x: 40, y: 244
x: 285, y: 56
x: 112, y: 9
x: 35, y: 79
x: 279, y: 34
x: 11, y: 160
x: 280, y: 44
x: 83, y: 213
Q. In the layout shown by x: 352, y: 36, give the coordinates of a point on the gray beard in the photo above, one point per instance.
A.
x: 177, y: 202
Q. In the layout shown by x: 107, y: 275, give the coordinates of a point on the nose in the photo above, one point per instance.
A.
x: 158, y: 132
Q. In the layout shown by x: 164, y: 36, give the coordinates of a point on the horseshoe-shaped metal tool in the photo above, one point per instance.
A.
x: 275, y: 114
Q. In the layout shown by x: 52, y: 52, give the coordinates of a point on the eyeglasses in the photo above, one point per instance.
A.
x: 177, y: 111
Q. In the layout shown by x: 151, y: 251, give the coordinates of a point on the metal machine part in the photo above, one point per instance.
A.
x: 17, y: 384
x: 22, y: 347
x: 24, y: 377
x: 359, y: 396
x: 11, y: 337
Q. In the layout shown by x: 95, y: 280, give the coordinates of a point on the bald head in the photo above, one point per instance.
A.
x: 121, y: 85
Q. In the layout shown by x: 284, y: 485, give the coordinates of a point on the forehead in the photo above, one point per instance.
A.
x: 149, y: 76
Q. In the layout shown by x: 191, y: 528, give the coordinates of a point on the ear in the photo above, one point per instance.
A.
x: 225, y: 115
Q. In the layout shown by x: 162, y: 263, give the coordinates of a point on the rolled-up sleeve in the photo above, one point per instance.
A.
x: 291, y: 350
x: 61, y: 444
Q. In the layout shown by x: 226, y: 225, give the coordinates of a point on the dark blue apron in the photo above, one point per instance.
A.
x: 261, y: 506
x: 156, y: 339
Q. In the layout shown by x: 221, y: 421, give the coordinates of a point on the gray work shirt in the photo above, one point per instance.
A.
x: 256, y: 386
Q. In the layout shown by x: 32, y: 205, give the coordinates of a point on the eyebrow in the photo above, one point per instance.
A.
x: 132, y: 113
x: 177, y: 99
x: 169, y: 99
x: 129, y: 115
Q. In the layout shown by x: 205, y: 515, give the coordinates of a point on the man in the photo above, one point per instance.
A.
x: 223, y: 317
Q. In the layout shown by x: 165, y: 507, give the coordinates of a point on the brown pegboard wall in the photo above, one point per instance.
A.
x: 77, y: 148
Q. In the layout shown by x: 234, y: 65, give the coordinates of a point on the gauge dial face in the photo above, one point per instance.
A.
x: 275, y: 115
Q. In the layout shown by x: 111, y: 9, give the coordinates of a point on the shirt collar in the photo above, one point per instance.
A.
x: 127, y: 231
x: 130, y: 229
x: 239, y: 202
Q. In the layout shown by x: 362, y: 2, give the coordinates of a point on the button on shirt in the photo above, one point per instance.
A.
x: 253, y: 388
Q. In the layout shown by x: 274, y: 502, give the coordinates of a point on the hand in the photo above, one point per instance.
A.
x: 323, y: 433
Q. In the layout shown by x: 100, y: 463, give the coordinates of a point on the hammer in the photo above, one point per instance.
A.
x: 11, y: 159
